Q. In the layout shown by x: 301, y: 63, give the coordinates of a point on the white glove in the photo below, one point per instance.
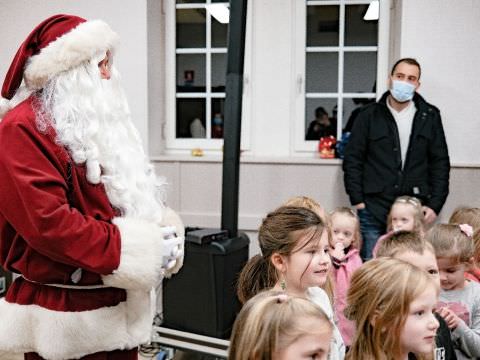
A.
x: 172, y: 247
x: 171, y: 218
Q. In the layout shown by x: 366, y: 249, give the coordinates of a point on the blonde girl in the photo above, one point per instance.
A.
x: 416, y: 250
x: 459, y: 297
x: 273, y: 325
x: 392, y: 304
x: 344, y: 250
x: 471, y: 216
x: 405, y: 214
x: 294, y: 258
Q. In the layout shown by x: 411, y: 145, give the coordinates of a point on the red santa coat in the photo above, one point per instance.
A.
x: 53, y: 223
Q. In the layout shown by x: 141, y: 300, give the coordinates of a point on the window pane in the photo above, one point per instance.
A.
x: 219, y: 33
x: 191, y: 73
x: 191, y: 28
x: 322, y: 72
x: 320, y: 118
x: 360, y: 71
x: 359, y: 32
x: 351, y: 108
x: 218, y: 111
x: 219, y: 72
x: 322, y: 25
x: 190, y: 118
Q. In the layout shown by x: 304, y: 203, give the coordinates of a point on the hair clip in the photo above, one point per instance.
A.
x: 466, y: 229
x: 415, y: 202
x: 410, y: 200
x: 353, y: 213
x: 282, y: 298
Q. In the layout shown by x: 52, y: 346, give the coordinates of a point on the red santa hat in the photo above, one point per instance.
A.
x: 58, y: 44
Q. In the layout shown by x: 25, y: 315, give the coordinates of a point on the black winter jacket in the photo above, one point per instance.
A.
x: 372, y: 166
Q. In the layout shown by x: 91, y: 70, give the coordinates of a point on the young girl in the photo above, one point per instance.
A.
x: 391, y: 302
x: 405, y: 214
x: 294, y: 258
x: 309, y: 203
x: 414, y: 249
x: 459, y: 298
x: 471, y: 216
x: 273, y: 325
x: 344, y: 250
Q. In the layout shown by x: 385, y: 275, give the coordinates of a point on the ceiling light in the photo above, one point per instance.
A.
x: 373, y: 11
x: 219, y: 11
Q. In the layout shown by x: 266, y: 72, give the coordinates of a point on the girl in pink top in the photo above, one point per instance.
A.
x: 344, y: 250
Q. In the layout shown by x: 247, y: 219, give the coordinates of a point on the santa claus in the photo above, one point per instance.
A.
x: 82, y: 218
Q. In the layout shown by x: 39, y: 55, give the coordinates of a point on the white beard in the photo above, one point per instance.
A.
x: 92, y: 120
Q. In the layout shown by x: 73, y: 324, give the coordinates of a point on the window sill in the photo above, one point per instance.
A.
x: 250, y: 159
x: 247, y: 159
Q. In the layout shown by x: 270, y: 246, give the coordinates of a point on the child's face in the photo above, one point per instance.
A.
x: 343, y: 229
x: 452, y: 273
x: 313, y: 344
x: 418, y: 333
x: 309, y: 264
x: 425, y: 261
x: 403, y: 217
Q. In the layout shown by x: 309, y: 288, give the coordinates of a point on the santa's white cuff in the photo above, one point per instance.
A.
x: 141, y: 255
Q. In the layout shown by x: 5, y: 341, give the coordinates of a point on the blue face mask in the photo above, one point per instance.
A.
x: 217, y: 120
x: 402, y: 91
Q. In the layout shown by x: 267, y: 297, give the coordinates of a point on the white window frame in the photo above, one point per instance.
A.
x: 209, y: 145
x: 300, y: 9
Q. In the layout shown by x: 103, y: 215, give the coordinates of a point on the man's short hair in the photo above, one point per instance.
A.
x: 409, y: 61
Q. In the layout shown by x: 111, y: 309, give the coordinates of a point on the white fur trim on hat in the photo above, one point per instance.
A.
x: 59, y: 335
x: 86, y: 41
x: 141, y: 255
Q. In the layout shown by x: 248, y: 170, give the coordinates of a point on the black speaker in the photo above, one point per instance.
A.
x: 202, y: 298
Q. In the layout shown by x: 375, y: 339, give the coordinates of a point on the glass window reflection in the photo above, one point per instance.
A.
x: 322, y: 72
x: 322, y: 25
x: 190, y: 118
x: 360, y: 71
x: 320, y: 118
x: 191, y: 73
x: 359, y: 32
x: 190, y: 28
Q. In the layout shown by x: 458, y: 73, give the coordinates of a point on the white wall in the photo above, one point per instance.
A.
x: 156, y: 75
x: 271, y: 77
x: 444, y: 36
x: 127, y: 18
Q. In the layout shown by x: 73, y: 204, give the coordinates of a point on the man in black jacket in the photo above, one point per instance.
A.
x: 397, y: 147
